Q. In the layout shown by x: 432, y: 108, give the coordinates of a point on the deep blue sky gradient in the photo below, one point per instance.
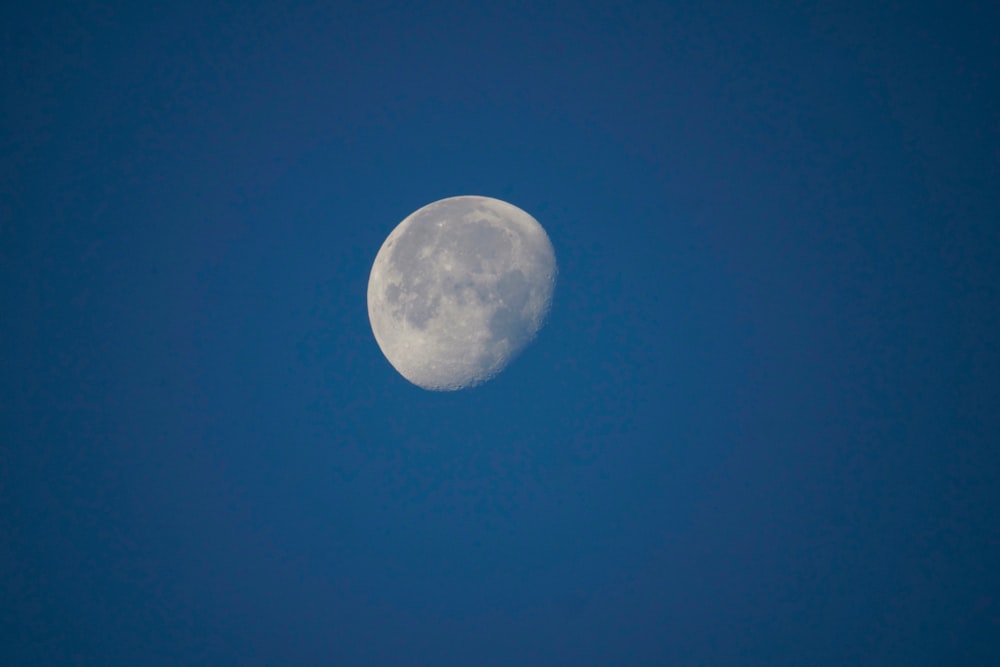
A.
x: 760, y: 428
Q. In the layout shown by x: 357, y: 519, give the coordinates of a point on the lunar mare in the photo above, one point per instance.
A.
x: 458, y: 289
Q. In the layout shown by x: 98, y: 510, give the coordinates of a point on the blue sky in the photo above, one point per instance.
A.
x: 759, y: 427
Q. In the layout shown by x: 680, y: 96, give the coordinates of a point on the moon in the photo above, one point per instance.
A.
x: 458, y: 289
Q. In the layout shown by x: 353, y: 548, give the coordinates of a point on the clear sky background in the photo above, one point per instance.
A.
x: 761, y: 426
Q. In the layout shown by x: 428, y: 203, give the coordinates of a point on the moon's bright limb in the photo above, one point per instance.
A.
x: 458, y: 289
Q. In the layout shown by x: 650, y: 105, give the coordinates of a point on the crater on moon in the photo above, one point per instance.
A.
x: 458, y: 289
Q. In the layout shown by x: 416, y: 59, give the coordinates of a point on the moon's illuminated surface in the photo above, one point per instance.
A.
x: 458, y: 289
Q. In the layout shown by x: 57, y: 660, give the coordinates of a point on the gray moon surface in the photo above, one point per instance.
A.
x: 458, y: 289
